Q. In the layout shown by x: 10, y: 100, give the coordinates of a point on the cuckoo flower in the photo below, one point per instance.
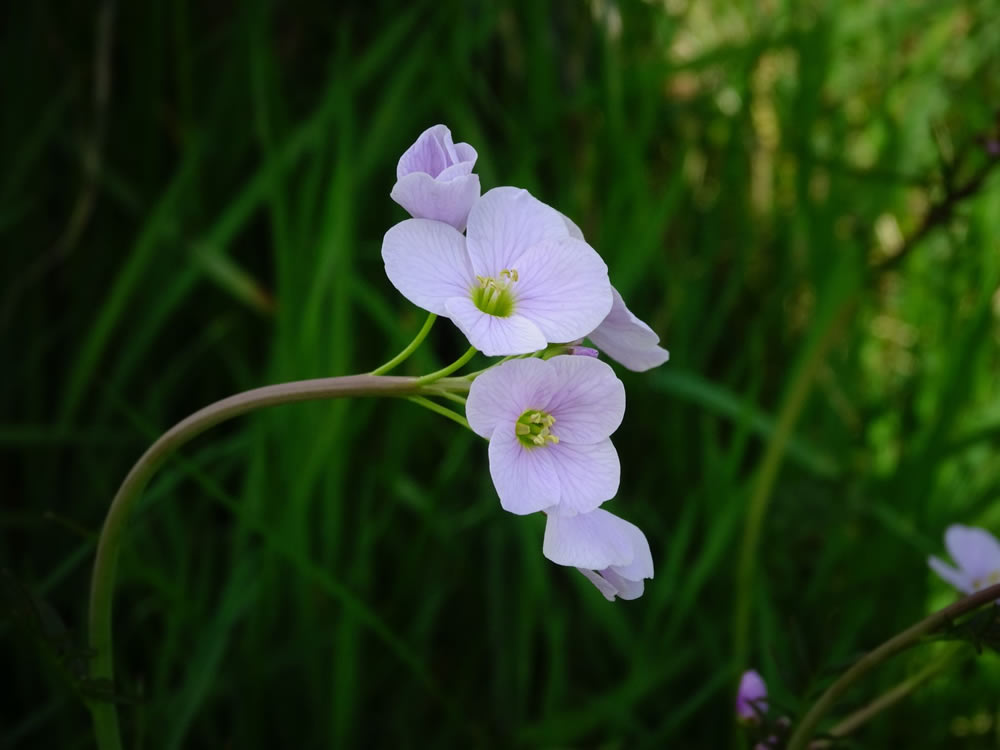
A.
x: 548, y: 423
x: 517, y: 282
x: 751, y: 698
x: 977, y: 553
x: 611, y: 552
x: 621, y: 335
x: 434, y: 178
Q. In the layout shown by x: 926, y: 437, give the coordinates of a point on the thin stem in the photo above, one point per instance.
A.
x: 442, y: 410
x: 477, y: 373
x: 453, y: 397
x: 900, y: 642
x: 409, y: 349
x: 456, y: 365
x: 104, y: 711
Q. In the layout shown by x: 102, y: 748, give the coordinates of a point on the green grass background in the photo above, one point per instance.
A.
x: 341, y: 574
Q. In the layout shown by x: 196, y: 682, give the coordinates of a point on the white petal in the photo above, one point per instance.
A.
x: 976, y: 550
x: 956, y: 578
x: 624, y: 587
x: 642, y: 564
x: 504, y: 223
x: 523, y: 477
x: 447, y: 200
x: 427, y: 262
x: 428, y: 153
x: 628, y: 340
x: 491, y: 335
x: 593, y: 541
x: 563, y: 288
x: 588, y: 474
x: 602, y: 584
x: 574, y: 230
x: 506, y: 391
x: 590, y: 401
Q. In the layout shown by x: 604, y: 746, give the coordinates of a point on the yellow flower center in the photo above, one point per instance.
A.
x: 493, y: 295
x: 534, y: 428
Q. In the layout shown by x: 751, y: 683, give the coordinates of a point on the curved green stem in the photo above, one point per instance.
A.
x: 444, y: 371
x: 104, y: 712
x: 409, y: 349
x: 909, y: 637
x: 442, y: 410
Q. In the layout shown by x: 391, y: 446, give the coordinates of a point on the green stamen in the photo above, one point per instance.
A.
x: 494, y: 296
x: 533, y: 429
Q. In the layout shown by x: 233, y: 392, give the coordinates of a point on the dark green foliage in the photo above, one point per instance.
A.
x: 792, y: 194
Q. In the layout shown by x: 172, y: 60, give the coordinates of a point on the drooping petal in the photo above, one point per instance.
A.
x: 505, y: 392
x: 625, y: 588
x: 603, y: 585
x: 427, y: 262
x: 492, y: 335
x: 751, y: 697
x: 590, y: 401
x: 642, y: 563
x: 594, y: 541
x: 427, y: 197
x: 588, y: 474
x: 428, y: 154
x: 563, y: 287
x: 956, y: 578
x: 523, y: 477
x: 504, y: 223
x: 976, y: 550
x: 628, y: 340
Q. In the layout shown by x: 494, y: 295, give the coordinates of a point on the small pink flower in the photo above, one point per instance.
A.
x: 751, y: 698
x: 977, y: 553
x: 549, y: 424
x: 611, y: 552
x: 434, y: 178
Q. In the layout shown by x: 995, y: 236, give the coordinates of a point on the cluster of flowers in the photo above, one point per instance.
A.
x: 977, y: 553
x: 518, y: 279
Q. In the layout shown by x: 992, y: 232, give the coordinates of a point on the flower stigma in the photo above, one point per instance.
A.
x: 493, y: 295
x: 534, y: 428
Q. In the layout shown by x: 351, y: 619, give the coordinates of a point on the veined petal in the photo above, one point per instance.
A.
x: 594, y: 541
x: 505, y: 392
x: 628, y: 340
x: 563, y: 288
x: 523, y: 477
x: 493, y: 335
x: 427, y: 197
x: 428, y: 153
x: 588, y: 474
x: 427, y: 262
x: 590, y: 401
x: 456, y: 170
x: 504, y: 223
x: 956, y: 578
x: 976, y: 550
x: 465, y: 153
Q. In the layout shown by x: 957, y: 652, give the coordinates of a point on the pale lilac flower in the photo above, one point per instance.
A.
x: 977, y: 553
x: 621, y: 335
x: 611, y: 552
x: 517, y: 282
x: 548, y: 423
x: 434, y: 178
x: 751, y: 698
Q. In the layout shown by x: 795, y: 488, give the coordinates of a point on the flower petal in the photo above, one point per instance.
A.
x: 523, y: 477
x: 428, y: 154
x: 976, y: 550
x: 588, y: 474
x: 506, y: 391
x: 491, y: 335
x: 751, y: 697
x: 642, y: 563
x: 628, y: 340
x: 574, y: 230
x: 625, y: 588
x: 427, y: 197
x: 951, y: 575
x: 590, y: 401
x: 427, y: 262
x: 563, y: 288
x: 594, y: 541
x: 603, y: 585
x: 504, y: 223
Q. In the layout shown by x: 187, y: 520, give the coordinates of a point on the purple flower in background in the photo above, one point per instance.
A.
x: 751, y: 698
x: 621, y: 335
x: 548, y: 423
x: 611, y: 552
x: 434, y: 178
x: 517, y: 282
x: 977, y: 553
x: 581, y: 351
